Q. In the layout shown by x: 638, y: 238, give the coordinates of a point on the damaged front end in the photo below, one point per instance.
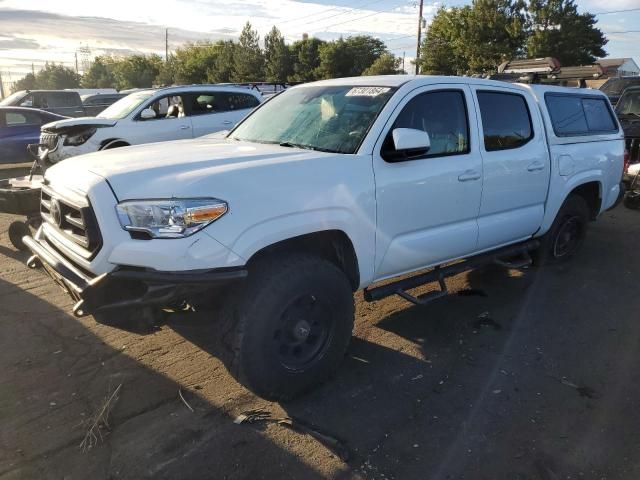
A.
x: 68, y: 138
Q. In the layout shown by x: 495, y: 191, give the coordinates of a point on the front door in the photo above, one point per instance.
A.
x: 427, y: 207
x: 171, y: 122
x: 516, y: 166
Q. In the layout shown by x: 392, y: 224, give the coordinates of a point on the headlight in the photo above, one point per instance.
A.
x: 79, y: 138
x: 171, y: 218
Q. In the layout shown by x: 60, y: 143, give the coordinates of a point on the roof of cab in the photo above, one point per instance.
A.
x: 400, y: 80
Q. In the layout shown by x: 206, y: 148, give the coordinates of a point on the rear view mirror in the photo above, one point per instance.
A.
x: 147, y: 114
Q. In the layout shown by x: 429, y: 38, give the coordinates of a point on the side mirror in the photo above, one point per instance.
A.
x: 147, y: 114
x: 408, y: 144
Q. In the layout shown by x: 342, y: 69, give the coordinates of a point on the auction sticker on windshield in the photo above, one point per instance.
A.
x: 367, y: 91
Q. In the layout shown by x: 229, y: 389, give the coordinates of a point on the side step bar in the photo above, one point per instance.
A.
x: 438, y: 274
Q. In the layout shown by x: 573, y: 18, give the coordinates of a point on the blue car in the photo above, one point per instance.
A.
x: 18, y: 128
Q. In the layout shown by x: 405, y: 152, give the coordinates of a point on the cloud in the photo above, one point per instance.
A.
x: 16, y: 43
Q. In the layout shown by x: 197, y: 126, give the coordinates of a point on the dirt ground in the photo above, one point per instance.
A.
x: 544, y: 385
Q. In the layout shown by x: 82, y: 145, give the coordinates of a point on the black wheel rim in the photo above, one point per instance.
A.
x: 569, y: 237
x: 303, y: 332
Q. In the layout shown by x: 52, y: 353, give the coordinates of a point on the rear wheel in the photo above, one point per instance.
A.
x: 17, y: 230
x: 293, y: 323
x: 567, y: 233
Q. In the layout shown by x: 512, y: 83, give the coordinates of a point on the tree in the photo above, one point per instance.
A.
x: 385, y: 64
x: 349, y: 57
x: 474, y: 39
x: 195, y: 62
x: 223, y: 69
x: 306, y: 59
x: 277, y: 57
x: 28, y: 82
x: 249, y: 62
x: 51, y: 77
x: 558, y: 30
x: 100, y: 74
x: 136, y: 71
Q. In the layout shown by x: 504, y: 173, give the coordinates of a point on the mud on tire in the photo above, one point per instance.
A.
x: 289, y: 327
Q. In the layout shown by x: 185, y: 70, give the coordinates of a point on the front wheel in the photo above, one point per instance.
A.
x: 293, y: 323
x: 567, y: 233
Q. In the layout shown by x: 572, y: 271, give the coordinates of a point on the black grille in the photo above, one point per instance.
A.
x: 49, y: 140
x: 632, y: 145
x: 75, y: 222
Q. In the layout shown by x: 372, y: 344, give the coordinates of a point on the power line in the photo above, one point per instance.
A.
x: 360, y: 18
x: 327, y: 11
x: 617, y: 11
x: 624, y: 31
x: 349, y: 11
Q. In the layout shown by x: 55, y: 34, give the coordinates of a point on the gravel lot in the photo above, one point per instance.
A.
x: 545, y: 385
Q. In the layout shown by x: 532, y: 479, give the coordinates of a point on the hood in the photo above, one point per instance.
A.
x: 62, y: 126
x: 177, y: 168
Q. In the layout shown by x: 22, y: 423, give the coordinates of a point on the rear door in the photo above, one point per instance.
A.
x: 214, y: 111
x: 64, y: 103
x: 17, y: 130
x: 516, y: 166
x: 427, y: 207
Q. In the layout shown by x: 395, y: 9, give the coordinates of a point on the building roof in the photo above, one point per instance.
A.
x: 612, y: 62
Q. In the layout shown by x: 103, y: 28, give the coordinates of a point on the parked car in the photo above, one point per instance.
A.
x: 628, y: 112
x: 148, y: 116
x: 62, y: 102
x: 95, y: 103
x: 18, y: 128
x: 326, y: 189
x: 614, y: 87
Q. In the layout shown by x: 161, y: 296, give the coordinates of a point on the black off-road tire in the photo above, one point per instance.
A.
x: 17, y: 230
x: 289, y: 326
x: 567, y: 233
x: 632, y: 200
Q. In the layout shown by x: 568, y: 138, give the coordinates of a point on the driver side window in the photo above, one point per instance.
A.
x: 443, y: 115
x: 166, y: 108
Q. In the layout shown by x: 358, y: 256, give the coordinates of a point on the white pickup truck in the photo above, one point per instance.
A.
x: 326, y: 189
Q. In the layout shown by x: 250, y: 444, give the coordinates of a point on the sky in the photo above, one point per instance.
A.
x: 35, y: 31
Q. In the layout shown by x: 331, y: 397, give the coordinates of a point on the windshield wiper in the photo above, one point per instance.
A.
x: 306, y: 147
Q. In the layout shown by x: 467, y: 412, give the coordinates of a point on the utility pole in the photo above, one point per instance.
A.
x: 403, y: 54
x: 76, y: 56
x: 1, y: 87
x: 166, y: 44
x: 33, y: 70
x: 419, y: 37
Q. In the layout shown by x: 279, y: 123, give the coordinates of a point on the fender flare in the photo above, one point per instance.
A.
x: 277, y: 229
x: 555, y: 202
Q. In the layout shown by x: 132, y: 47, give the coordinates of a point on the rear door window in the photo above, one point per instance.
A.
x: 579, y: 115
x: 506, y: 121
x: 241, y: 101
x: 21, y: 119
x: 209, y: 102
x: 62, y: 99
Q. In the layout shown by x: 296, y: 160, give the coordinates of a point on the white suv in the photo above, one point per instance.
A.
x: 148, y: 116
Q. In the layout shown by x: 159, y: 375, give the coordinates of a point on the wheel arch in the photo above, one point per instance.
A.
x: 113, y: 143
x: 332, y: 245
x: 588, y: 185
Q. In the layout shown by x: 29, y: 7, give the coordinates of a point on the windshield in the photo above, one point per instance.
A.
x: 328, y: 119
x: 125, y: 106
x: 11, y: 99
x: 629, y: 103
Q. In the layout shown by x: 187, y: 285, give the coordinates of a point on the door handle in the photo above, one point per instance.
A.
x: 227, y: 122
x: 468, y: 176
x: 535, y: 166
x: 184, y: 127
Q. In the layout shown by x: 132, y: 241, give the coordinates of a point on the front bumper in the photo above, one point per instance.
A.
x: 125, y: 288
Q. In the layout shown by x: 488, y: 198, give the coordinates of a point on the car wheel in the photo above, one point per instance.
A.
x: 293, y: 323
x: 17, y: 230
x: 567, y: 233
